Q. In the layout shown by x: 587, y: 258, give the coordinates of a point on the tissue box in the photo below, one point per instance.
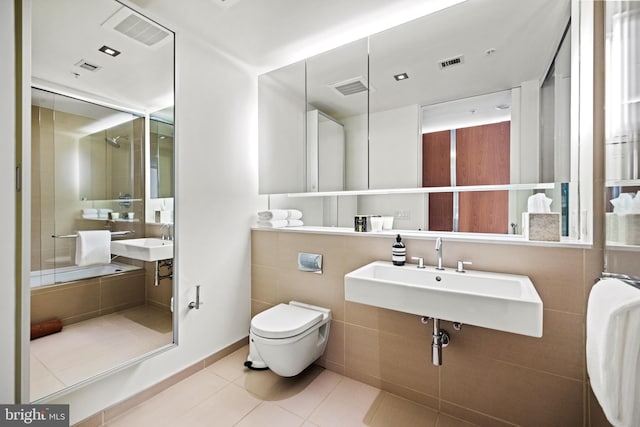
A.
x: 541, y: 226
x: 612, y: 225
x: 629, y: 228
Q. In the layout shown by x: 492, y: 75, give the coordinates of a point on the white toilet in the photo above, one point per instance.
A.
x: 288, y: 337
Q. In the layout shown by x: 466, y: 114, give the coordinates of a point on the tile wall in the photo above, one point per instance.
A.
x: 85, y: 299
x: 488, y: 377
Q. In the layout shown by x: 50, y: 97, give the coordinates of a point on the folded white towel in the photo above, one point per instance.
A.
x: 274, y: 223
x: 613, y: 350
x: 273, y: 214
x: 294, y: 223
x: 276, y: 214
x: 93, y: 247
x: 89, y: 211
x: 90, y: 216
x: 294, y: 214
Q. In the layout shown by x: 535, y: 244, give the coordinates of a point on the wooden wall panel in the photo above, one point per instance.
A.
x: 436, y: 172
x: 483, y: 157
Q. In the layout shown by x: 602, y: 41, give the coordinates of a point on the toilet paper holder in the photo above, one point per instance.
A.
x: 311, y: 263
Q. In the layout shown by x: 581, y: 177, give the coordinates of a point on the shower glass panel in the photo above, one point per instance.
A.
x: 161, y: 147
x: 622, y: 158
x: 87, y: 162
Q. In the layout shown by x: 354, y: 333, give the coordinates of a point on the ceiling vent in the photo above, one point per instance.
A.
x: 134, y: 26
x: 351, y: 86
x: 450, y: 62
x: 87, y: 65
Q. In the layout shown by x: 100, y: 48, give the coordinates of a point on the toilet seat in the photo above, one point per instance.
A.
x: 284, y: 321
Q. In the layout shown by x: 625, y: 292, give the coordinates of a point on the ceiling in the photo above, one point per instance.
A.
x: 265, y: 35
x: 268, y: 34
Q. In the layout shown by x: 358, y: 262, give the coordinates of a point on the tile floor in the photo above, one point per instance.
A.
x: 87, y: 348
x: 228, y: 394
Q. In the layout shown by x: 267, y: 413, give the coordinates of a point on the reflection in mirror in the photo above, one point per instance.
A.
x: 504, y: 93
x: 337, y: 86
x: 622, y: 138
x: 92, y: 314
x: 486, y: 110
x: 161, y: 148
x: 281, y: 127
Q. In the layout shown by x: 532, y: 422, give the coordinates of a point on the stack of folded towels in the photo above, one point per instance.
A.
x: 91, y: 213
x: 279, y: 218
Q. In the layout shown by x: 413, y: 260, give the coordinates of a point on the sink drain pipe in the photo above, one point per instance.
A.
x: 439, y: 338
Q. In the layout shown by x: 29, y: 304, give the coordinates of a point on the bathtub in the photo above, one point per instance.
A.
x: 74, y: 273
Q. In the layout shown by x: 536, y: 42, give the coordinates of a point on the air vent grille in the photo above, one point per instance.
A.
x: 141, y: 30
x: 351, y: 87
x: 87, y: 65
x: 450, y: 62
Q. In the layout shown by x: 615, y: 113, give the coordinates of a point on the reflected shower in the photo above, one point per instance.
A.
x: 113, y: 141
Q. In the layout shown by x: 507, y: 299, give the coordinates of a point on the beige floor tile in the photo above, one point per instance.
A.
x: 232, y: 366
x: 350, y: 404
x: 267, y: 386
x: 174, y: 403
x: 270, y: 415
x: 88, y: 348
x: 398, y: 412
x: 448, y: 421
x: 43, y: 386
x: 225, y: 408
x: 308, y: 399
x: 37, y: 368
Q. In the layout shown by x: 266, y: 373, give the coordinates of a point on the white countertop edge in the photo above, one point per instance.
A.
x: 507, y: 239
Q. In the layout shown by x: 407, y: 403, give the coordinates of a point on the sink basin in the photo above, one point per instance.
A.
x: 505, y: 302
x: 145, y: 249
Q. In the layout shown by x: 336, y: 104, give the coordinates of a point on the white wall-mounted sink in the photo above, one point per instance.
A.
x: 505, y: 302
x: 145, y: 249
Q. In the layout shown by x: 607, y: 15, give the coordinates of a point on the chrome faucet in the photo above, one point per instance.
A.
x: 439, y: 252
x: 169, y: 235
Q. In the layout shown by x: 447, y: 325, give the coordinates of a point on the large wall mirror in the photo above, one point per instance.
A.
x: 487, y: 106
x: 622, y: 138
x: 102, y: 156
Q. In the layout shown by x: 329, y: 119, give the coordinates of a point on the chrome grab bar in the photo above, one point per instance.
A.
x: 70, y: 236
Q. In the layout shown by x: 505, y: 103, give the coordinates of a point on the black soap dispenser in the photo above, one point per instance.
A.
x: 398, y: 252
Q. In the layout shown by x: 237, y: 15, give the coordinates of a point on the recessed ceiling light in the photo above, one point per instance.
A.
x: 109, y: 51
x: 402, y: 76
x: 503, y: 107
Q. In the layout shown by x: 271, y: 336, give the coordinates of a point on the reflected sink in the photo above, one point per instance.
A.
x: 145, y: 249
x: 505, y: 302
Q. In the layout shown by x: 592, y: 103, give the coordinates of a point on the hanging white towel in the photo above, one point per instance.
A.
x: 93, y: 247
x: 613, y: 350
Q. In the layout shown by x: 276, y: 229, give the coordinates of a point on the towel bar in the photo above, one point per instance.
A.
x: 69, y: 236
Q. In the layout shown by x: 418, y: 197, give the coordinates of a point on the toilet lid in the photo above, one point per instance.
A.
x: 283, y: 321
